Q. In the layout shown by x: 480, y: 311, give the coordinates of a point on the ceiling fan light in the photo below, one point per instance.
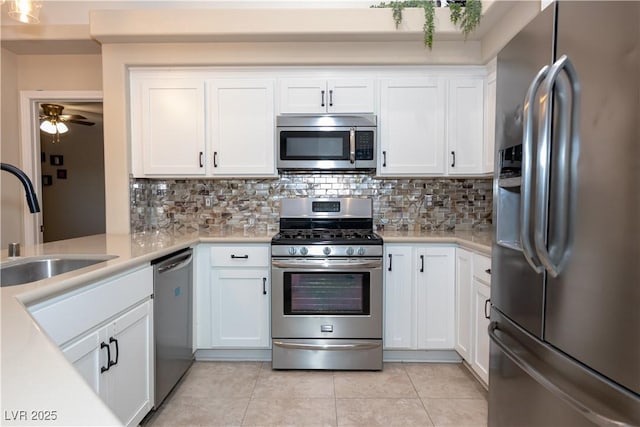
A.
x: 61, y: 127
x: 49, y: 127
x: 25, y: 11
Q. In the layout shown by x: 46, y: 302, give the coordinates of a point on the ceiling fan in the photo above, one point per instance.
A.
x: 53, y: 121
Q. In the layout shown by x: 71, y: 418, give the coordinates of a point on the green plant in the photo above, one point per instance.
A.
x: 467, y: 18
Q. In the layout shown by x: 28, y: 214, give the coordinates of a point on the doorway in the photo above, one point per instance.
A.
x: 68, y: 168
x: 72, y: 171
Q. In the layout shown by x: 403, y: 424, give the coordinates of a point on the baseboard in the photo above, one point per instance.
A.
x: 432, y: 356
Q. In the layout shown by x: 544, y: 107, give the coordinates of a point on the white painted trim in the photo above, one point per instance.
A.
x: 30, y: 146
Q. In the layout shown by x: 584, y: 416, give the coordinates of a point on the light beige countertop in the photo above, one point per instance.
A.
x: 36, y: 376
x: 476, y: 241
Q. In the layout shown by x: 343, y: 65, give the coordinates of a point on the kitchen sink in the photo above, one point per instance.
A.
x: 31, y: 269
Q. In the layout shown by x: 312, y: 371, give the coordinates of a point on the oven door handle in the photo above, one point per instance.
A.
x: 315, y: 264
x: 335, y: 347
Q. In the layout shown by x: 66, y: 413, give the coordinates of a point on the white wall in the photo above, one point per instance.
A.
x: 13, y: 199
x: 33, y: 72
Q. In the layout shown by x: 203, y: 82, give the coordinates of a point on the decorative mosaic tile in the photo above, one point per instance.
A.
x: 438, y: 204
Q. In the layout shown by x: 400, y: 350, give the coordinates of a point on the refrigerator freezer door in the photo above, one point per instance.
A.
x: 532, y: 384
x: 592, y: 307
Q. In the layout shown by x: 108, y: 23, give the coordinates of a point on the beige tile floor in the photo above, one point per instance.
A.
x: 252, y: 394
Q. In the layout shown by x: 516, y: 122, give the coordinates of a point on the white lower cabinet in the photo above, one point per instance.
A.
x: 480, y: 361
x: 114, y: 360
x: 234, y: 296
x: 419, y: 297
x: 473, y: 292
x: 105, y: 330
x: 463, y: 304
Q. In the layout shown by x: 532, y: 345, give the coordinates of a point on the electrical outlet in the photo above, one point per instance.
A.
x: 428, y: 200
x: 208, y: 201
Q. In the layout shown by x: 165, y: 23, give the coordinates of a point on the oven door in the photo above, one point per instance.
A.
x: 326, y: 298
x: 326, y: 148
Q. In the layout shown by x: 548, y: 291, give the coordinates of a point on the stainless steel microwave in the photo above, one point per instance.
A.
x: 323, y: 142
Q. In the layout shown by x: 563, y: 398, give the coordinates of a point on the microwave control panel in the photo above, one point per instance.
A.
x: 364, y: 145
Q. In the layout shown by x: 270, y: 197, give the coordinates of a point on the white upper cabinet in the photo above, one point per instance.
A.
x: 465, y: 126
x: 411, y: 126
x: 309, y: 95
x: 490, y: 122
x: 167, y: 125
x: 241, y: 124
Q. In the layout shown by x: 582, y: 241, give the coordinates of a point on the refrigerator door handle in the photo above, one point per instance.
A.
x: 513, y: 351
x: 526, y: 192
x: 553, y: 252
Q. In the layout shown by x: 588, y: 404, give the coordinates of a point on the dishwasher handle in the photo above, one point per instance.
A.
x: 176, y: 263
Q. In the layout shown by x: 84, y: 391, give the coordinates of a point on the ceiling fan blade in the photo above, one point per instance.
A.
x: 80, y: 122
x: 71, y: 117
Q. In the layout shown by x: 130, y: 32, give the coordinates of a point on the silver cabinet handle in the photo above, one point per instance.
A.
x: 338, y: 347
x: 513, y: 351
x: 352, y: 145
x: 553, y: 254
x: 526, y: 193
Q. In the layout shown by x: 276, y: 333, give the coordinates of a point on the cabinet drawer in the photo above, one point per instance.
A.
x: 240, y: 256
x: 66, y: 318
x: 482, y: 268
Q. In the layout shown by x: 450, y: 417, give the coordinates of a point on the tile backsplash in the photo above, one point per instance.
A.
x: 442, y: 204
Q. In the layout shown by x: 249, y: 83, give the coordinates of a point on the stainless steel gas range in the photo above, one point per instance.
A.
x: 326, y: 277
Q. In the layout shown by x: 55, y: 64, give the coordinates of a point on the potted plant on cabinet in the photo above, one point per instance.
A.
x: 466, y: 14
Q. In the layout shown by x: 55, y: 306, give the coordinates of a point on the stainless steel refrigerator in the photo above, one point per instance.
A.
x: 565, y: 319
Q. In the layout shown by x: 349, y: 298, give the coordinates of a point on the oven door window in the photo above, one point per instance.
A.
x: 314, y: 145
x: 326, y: 293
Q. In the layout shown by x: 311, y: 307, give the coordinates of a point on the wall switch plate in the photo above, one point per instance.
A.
x: 208, y: 201
x: 428, y: 200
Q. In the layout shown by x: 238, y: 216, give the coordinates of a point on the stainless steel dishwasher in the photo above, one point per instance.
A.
x: 173, y: 320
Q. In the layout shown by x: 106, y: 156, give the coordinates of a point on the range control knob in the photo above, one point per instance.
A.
x: 326, y: 250
x: 350, y: 251
x: 304, y: 251
x: 361, y: 251
x: 292, y: 250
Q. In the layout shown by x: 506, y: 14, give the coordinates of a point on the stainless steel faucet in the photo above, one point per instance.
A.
x: 32, y: 199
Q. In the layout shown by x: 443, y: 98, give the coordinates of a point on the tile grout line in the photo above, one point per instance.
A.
x: 255, y: 383
x: 404, y: 367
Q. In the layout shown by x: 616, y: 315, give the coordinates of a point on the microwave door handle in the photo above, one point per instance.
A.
x: 352, y: 145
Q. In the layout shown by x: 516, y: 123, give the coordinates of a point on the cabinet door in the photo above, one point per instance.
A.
x: 242, y: 127
x: 350, y: 96
x: 436, y: 291
x: 129, y: 392
x: 411, y: 127
x: 490, y: 123
x: 303, y: 96
x: 88, y: 355
x: 399, y: 298
x: 465, y: 130
x: 480, y: 363
x: 463, y: 304
x: 240, y: 307
x: 168, y: 121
